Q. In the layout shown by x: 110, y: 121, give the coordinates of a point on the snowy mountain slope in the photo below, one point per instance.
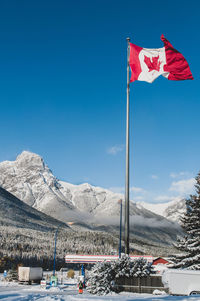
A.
x: 145, y: 225
x: 172, y: 210
x: 27, y: 235
x: 29, y: 179
x: 16, y: 213
x: 99, y: 202
x: 94, y: 208
x: 23, y: 225
x: 175, y: 211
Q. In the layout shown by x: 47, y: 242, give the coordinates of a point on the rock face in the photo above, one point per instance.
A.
x: 29, y: 179
x: 172, y: 210
x: 175, y: 210
x: 28, y: 236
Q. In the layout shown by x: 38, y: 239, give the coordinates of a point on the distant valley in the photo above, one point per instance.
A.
x: 91, y: 209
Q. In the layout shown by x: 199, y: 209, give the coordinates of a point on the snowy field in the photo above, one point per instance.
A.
x: 69, y: 292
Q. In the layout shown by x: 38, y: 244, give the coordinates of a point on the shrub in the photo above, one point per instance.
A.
x: 70, y: 274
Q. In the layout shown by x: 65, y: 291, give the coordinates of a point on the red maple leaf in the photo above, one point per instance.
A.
x: 154, y: 64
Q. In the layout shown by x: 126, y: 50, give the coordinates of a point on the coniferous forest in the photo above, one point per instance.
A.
x: 27, y: 237
x: 36, y: 248
x: 189, y: 245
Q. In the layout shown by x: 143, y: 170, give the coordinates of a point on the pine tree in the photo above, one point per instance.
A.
x: 100, y: 278
x: 103, y: 273
x: 141, y: 268
x: 189, y: 245
x: 12, y: 275
x: 122, y: 266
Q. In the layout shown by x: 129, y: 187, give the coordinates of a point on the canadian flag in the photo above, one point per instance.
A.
x: 148, y: 64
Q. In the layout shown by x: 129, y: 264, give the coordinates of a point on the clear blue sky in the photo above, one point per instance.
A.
x: 63, y: 92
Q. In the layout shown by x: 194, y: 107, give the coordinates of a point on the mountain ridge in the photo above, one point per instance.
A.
x: 25, y: 176
x: 88, y: 207
x: 18, y: 214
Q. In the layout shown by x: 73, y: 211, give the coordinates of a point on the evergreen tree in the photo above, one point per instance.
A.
x: 100, y: 278
x: 141, y: 268
x: 12, y: 275
x: 122, y: 266
x: 189, y: 245
x: 104, y: 273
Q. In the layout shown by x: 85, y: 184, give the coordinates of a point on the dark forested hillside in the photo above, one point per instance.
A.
x: 16, y: 213
x: 27, y: 236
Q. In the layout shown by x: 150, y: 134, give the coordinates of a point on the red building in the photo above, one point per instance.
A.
x: 160, y: 260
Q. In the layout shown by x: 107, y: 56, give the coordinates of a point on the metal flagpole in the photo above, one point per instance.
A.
x: 120, y: 229
x: 126, y: 220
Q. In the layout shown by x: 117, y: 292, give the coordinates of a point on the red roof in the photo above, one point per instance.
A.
x: 160, y: 260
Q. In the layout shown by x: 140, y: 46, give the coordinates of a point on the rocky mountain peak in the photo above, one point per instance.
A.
x: 28, y: 159
x: 30, y: 179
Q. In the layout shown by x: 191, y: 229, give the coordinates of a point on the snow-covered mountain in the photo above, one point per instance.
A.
x: 16, y: 213
x: 27, y: 235
x: 172, y: 210
x: 30, y: 179
x: 90, y: 208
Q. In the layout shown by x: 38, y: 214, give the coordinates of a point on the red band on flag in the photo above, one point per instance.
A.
x: 134, y: 61
x: 176, y: 64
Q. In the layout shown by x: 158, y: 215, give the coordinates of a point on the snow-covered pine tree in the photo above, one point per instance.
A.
x: 122, y: 266
x: 12, y: 275
x: 103, y: 273
x: 189, y: 245
x: 141, y: 268
x: 99, y: 281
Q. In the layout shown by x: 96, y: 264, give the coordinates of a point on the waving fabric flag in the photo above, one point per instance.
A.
x: 148, y: 64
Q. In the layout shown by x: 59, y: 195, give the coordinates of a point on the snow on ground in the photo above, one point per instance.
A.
x: 17, y: 292
x: 12, y: 291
